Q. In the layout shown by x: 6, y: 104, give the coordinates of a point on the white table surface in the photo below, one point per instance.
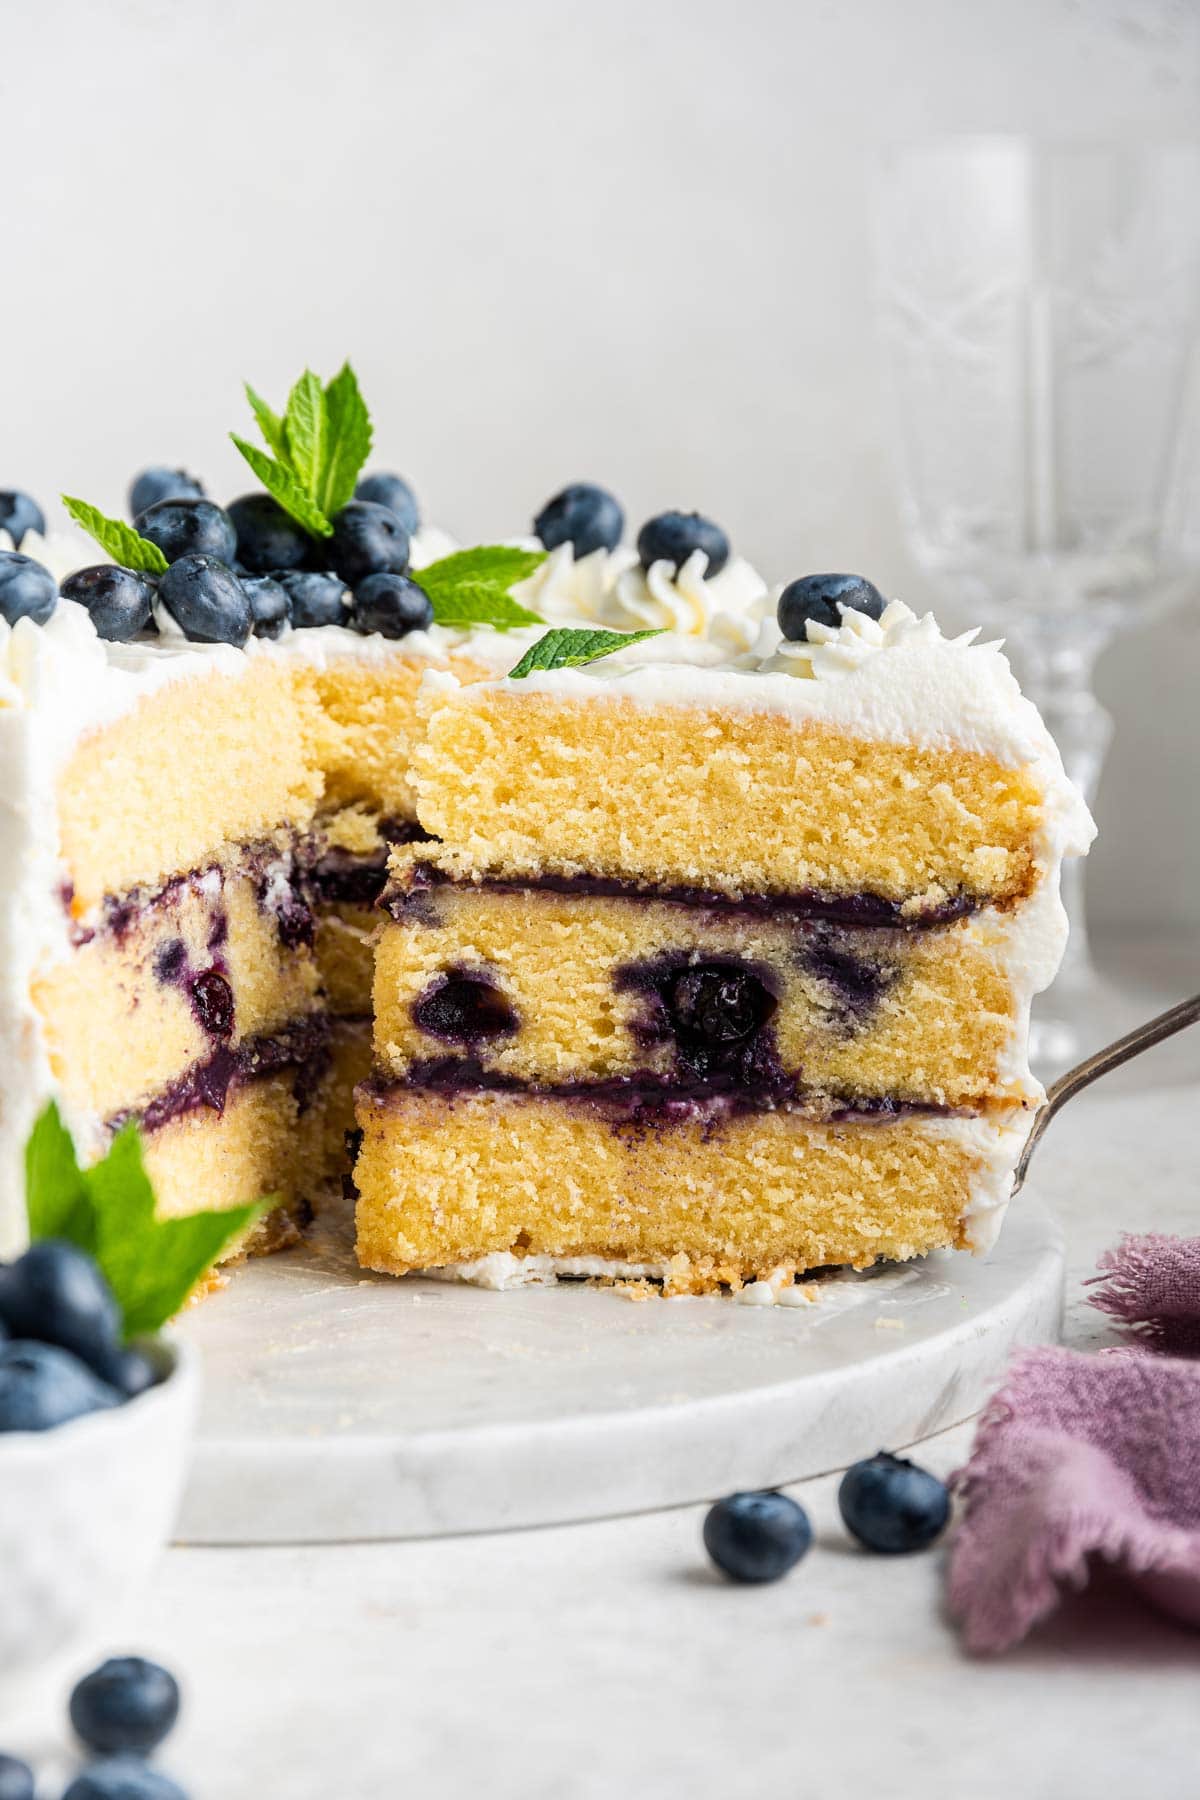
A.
x: 595, y: 1660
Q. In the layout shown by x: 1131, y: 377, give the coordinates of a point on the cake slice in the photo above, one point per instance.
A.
x: 715, y: 974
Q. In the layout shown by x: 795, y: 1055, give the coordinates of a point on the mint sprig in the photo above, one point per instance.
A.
x: 471, y: 587
x: 317, y: 447
x: 568, y: 648
x: 117, y: 539
x: 151, y: 1264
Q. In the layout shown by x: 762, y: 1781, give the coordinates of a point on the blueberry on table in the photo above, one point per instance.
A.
x: 673, y: 536
x: 16, y: 1779
x: 368, y: 539
x: 159, y: 483
x: 823, y: 598
x: 27, y: 590
x: 127, y: 1704
x: 189, y: 528
x: 316, y: 598
x: 19, y: 514
x: 582, y: 515
x: 56, y: 1294
x: 206, y: 600
x: 392, y: 605
x: 119, y: 600
x: 892, y: 1506
x: 756, y: 1537
x: 123, y: 1778
x: 270, y: 605
x: 266, y: 537
x: 42, y: 1387
x: 393, y: 492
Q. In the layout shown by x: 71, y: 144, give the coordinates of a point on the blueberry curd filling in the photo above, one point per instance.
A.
x: 863, y: 909
x: 302, y: 1046
x: 279, y: 886
x: 716, y: 1015
x: 339, y: 876
x: 464, y: 1006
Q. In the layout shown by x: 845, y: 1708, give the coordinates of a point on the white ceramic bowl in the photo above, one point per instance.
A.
x: 84, y: 1510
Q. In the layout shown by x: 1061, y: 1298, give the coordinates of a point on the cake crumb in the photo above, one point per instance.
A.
x: 886, y: 1324
x: 635, y: 1290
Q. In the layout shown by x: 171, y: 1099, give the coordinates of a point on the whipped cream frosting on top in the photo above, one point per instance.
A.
x: 610, y: 588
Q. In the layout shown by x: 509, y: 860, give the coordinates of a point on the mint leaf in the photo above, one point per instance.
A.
x: 565, y: 648
x: 56, y: 1199
x: 282, y: 483
x: 304, y: 433
x: 269, y: 423
x: 471, y: 586
x: 151, y: 1264
x: 116, y: 538
x: 348, y: 440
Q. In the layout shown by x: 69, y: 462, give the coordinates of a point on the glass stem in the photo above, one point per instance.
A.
x: 1057, y: 677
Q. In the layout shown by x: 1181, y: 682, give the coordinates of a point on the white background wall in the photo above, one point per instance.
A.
x: 624, y: 241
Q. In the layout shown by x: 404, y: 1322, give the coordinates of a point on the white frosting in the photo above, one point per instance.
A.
x: 62, y: 552
x: 610, y: 588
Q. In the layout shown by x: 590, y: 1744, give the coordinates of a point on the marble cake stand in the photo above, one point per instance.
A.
x: 342, y: 1406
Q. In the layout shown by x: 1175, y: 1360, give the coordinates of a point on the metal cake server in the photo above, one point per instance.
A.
x: 1142, y: 1037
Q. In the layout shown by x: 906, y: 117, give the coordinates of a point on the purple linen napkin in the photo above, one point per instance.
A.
x: 1090, y: 1456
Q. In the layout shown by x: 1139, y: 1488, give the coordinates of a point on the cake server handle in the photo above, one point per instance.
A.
x: 1142, y: 1037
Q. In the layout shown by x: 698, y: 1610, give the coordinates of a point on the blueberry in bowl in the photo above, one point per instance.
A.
x: 160, y: 483
x: 823, y: 599
x: 395, y: 493
x: 587, y: 517
x: 27, y: 590
x: 119, y: 600
x: 19, y: 514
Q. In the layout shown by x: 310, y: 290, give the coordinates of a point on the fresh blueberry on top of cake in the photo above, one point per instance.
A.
x: 158, y: 483
x: 267, y: 539
x: 587, y: 517
x: 672, y: 537
x: 395, y: 493
x: 822, y: 599
x: 189, y: 528
x: 317, y: 598
x: 368, y: 539
x: 118, y: 600
x: 19, y: 514
x: 392, y: 605
x: 206, y: 600
x: 270, y: 605
x: 27, y: 590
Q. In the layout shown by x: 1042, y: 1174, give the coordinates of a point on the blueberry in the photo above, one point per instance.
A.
x: 270, y: 607
x: 891, y: 1505
x: 212, y: 1002
x: 119, y: 600
x: 394, y: 493
x: 368, y: 539
x: 266, y: 537
x: 132, y: 1371
x: 19, y: 514
x: 719, y: 1003
x: 316, y: 598
x: 156, y: 484
x: 42, y: 1386
x: 16, y: 1779
x: 206, y: 599
x: 123, y: 1778
x: 126, y: 1704
x: 56, y: 1294
x: 27, y: 590
x: 464, y: 1009
x: 189, y: 528
x: 392, y: 605
x: 821, y: 598
x: 756, y: 1537
x: 586, y: 517
x: 672, y: 536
